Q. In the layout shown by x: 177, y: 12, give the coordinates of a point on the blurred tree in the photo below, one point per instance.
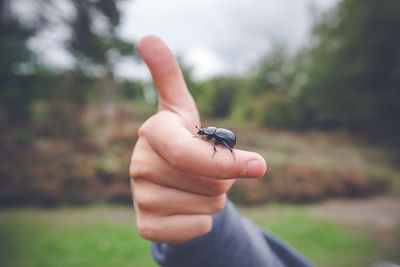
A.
x: 354, y: 69
x: 276, y: 72
x: 97, y: 46
x: 214, y: 97
x: 15, y: 59
x: 132, y: 90
x: 277, y: 76
x: 224, y: 92
x: 350, y: 77
x: 93, y: 42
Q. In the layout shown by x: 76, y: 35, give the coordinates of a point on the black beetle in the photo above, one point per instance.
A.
x: 221, y: 136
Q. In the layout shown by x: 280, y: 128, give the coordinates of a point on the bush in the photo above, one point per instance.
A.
x: 119, y: 193
x: 281, y: 112
x: 272, y: 109
x: 300, y: 183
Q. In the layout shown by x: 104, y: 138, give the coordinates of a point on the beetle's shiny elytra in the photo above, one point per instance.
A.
x: 220, y: 136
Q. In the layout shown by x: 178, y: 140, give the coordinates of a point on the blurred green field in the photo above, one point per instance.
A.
x: 106, y: 236
x: 72, y: 237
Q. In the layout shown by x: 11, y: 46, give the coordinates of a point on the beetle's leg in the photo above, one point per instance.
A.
x: 227, y: 146
x: 215, y: 150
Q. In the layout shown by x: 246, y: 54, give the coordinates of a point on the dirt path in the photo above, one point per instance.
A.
x: 380, y: 216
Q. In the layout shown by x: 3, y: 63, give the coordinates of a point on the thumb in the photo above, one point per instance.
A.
x: 167, y: 76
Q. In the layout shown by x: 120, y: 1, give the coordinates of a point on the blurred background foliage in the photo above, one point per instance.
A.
x: 66, y: 134
x: 325, y: 118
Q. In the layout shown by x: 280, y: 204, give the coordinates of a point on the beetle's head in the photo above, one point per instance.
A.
x: 200, y: 130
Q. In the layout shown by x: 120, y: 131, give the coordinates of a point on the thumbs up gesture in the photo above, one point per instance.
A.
x: 176, y: 183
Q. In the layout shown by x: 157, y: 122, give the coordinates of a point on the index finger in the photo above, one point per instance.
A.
x: 178, y: 147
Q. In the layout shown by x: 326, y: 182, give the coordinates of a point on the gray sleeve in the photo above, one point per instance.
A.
x: 232, y: 241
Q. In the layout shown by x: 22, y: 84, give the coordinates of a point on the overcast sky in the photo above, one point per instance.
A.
x: 213, y: 37
x: 220, y: 37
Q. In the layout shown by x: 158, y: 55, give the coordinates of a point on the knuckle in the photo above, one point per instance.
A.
x: 137, y: 166
x: 204, y: 225
x: 146, y: 128
x: 147, y: 229
x: 220, y: 187
x: 139, y: 170
x: 218, y: 204
x: 132, y: 170
x: 143, y: 199
x: 142, y: 132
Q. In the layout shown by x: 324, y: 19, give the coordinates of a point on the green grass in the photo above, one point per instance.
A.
x: 324, y: 243
x: 106, y: 236
x: 29, y: 240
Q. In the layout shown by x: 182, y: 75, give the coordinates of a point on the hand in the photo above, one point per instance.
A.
x: 176, y: 184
